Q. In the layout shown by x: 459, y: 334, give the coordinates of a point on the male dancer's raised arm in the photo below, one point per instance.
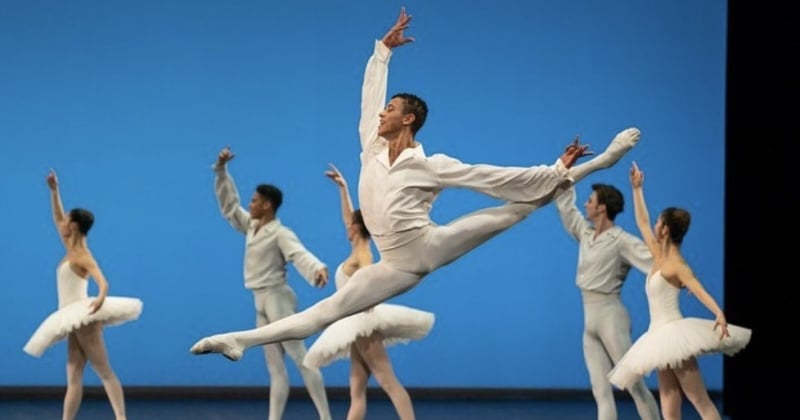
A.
x: 228, y: 195
x: 376, y: 75
x: 572, y: 219
x: 635, y: 253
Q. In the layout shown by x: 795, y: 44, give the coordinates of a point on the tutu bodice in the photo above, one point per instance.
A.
x: 71, y: 286
x: 662, y: 299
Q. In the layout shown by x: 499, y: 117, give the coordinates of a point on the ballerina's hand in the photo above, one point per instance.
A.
x: 636, y: 176
x: 723, y: 324
x: 96, y: 305
x: 52, y: 180
x: 336, y: 176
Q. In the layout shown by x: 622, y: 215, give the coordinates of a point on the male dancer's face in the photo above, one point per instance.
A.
x: 391, y: 118
x: 258, y: 206
x: 593, y: 208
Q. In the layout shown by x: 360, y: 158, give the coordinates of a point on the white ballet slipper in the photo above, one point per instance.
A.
x: 220, y: 343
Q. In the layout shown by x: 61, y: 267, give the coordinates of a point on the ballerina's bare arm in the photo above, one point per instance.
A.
x: 640, y: 212
x: 687, y: 278
x: 88, y: 263
x: 344, y: 195
x: 55, y: 201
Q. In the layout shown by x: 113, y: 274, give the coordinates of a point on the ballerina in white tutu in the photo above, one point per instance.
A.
x: 364, y: 336
x: 80, y: 318
x: 672, y: 343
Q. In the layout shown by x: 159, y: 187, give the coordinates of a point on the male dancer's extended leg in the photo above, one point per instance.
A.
x: 445, y: 244
x: 539, y: 185
x: 621, y: 144
x: 376, y: 283
x: 369, y: 286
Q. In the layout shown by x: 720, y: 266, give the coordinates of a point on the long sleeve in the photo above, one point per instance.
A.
x: 228, y: 199
x: 303, y: 260
x: 571, y: 217
x: 635, y: 252
x: 515, y: 184
x: 373, y: 94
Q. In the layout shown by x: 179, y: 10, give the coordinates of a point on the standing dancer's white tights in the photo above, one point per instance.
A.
x: 420, y: 252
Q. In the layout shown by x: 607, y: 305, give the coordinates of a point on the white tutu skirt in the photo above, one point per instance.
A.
x: 671, y: 344
x: 395, y: 323
x: 57, y: 326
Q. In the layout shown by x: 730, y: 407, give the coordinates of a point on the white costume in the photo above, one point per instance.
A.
x: 672, y: 339
x: 394, y: 323
x: 266, y: 253
x: 603, y: 265
x: 73, y: 311
x: 396, y: 201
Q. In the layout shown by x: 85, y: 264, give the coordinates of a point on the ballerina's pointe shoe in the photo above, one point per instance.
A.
x: 218, y: 344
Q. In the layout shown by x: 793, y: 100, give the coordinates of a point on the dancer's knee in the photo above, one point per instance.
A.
x: 601, y: 390
x: 104, y: 371
x: 388, y: 382
x: 75, y: 372
x: 639, y: 390
x: 358, y: 384
x: 276, y: 368
x: 670, y: 402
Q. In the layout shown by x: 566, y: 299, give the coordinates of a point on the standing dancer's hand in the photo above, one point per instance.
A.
x: 225, y: 156
x: 321, y: 277
x: 395, y: 38
x: 96, y: 305
x: 722, y: 323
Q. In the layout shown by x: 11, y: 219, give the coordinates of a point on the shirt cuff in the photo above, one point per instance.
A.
x: 560, y: 169
x: 382, y: 52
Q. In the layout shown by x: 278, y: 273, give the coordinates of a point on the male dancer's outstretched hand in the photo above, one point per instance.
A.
x: 575, y: 151
x: 395, y: 38
x: 225, y: 156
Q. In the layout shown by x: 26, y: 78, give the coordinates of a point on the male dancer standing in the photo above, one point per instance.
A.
x: 606, y: 254
x: 268, y: 247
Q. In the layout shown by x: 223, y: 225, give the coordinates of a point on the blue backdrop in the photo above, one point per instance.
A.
x: 130, y: 103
